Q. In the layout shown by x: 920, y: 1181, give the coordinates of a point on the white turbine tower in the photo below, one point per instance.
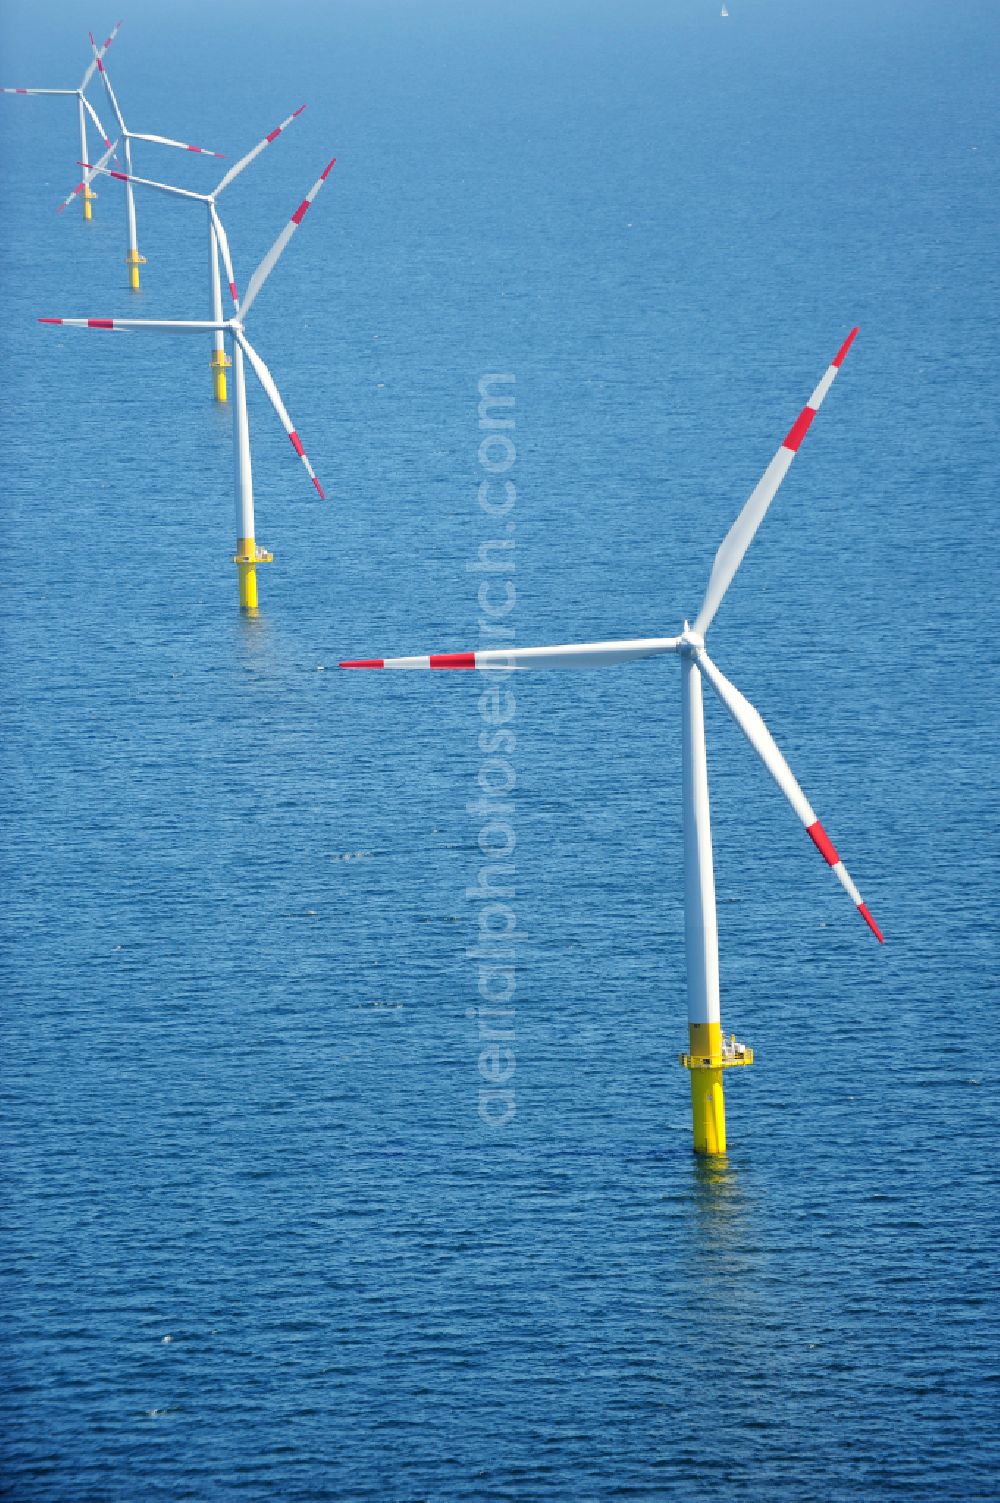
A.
x: 132, y: 259
x: 709, y: 1052
x: 84, y: 109
x: 217, y: 240
x: 248, y: 555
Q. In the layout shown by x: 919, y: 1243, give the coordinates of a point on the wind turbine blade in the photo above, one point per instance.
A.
x: 739, y: 537
x: 751, y: 724
x: 227, y: 260
x: 269, y: 262
x: 168, y: 326
x: 99, y: 63
x: 572, y: 655
x: 93, y: 65
x: 251, y: 155
x: 39, y: 91
x: 98, y: 166
x: 267, y: 381
x: 144, y: 182
x: 96, y: 119
x: 181, y: 145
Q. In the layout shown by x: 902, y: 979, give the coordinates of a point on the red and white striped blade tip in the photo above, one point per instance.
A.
x: 435, y: 660
x: 296, y: 444
x: 828, y: 851
x: 122, y: 177
x: 202, y: 151
x: 273, y: 136
x: 306, y: 204
x: 801, y: 426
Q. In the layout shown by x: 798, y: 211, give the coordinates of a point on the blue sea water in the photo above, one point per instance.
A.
x: 258, y: 1242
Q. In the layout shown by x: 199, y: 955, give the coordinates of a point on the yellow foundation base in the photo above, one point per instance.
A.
x: 709, y: 1055
x: 133, y: 261
x: 88, y: 198
x: 220, y: 364
x: 246, y: 558
x: 708, y: 1103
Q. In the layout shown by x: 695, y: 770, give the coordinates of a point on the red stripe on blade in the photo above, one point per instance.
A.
x: 453, y: 660
x: 322, y: 492
x: 301, y: 212
x: 366, y: 663
x: 100, y: 323
x: 823, y: 843
x: 799, y: 429
x: 296, y: 443
x: 232, y: 289
x: 274, y: 134
x: 327, y: 169
x: 50, y: 320
x: 863, y: 910
x: 838, y: 359
x: 298, y: 112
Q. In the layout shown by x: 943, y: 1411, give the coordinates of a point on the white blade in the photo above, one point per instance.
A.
x: 88, y: 177
x: 572, y: 655
x: 267, y: 381
x: 227, y: 259
x: 143, y: 182
x: 269, y: 262
x: 104, y: 47
x: 252, y: 155
x: 202, y: 151
x: 99, y: 65
x: 739, y: 537
x: 168, y: 326
x: 98, y: 126
x: 750, y: 723
x: 39, y: 91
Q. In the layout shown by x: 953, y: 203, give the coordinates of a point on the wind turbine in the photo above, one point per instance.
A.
x: 709, y: 1053
x: 84, y: 108
x: 248, y: 555
x: 133, y: 259
x: 216, y: 239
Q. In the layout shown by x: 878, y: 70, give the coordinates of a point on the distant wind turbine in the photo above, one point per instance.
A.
x: 248, y: 555
x: 84, y: 109
x: 133, y: 259
x: 217, y: 241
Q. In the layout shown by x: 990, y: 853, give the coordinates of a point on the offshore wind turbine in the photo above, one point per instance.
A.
x: 217, y: 240
x: 709, y: 1053
x: 84, y: 109
x: 248, y: 555
x: 133, y: 259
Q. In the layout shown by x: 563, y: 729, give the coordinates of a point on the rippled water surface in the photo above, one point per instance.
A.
x: 258, y: 1242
